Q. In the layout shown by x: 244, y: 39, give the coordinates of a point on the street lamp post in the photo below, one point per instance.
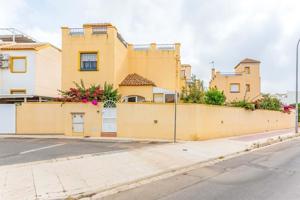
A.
x: 175, y: 118
x: 296, y: 120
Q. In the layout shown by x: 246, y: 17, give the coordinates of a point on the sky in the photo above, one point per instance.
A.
x: 223, y: 31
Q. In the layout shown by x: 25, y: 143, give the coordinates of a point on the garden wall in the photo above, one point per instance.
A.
x: 39, y: 118
x: 196, y: 121
x: 151, y: 121
x: 56, y: 118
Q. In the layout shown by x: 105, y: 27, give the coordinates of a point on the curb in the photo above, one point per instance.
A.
x: 97, y: 194
x: 96, y: 139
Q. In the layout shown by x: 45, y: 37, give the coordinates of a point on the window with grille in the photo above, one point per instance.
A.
x: 88, y: 61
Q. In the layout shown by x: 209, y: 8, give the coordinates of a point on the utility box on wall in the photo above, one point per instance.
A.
x: 77, y: 122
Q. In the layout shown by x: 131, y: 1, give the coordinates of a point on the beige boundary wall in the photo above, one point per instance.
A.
x: 56, y: 118
x: 39, y: 118
x: 151, y: 121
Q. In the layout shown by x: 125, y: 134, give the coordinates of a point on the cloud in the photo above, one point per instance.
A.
x: 11, y: 12
x: 225, y: 31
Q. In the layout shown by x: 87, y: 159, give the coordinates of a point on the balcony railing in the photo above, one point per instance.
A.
x: 230, y: 74
x: 119, y: 36
x: 76, y: 31
x: 141, y: 47
x: 163, y: 47
x: 99, y: 30
x: 166, y: 47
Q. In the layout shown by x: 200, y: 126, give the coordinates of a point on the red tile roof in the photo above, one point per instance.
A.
x: 136, y: 80
x: 249, y: 60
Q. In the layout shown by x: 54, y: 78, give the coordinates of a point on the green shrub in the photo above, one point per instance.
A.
x: 214, y: 97
x: 109, y: 93
x: 194, y: 92
x: 268, y: 103
x: 293, y: 106
x: 243, y: 104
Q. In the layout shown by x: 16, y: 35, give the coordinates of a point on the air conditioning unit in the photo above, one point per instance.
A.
x: 4, y: 61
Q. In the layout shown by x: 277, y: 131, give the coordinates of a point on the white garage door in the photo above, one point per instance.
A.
x: 7, y: 119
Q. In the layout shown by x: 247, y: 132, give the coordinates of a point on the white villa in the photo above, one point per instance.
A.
x: 29, y: 70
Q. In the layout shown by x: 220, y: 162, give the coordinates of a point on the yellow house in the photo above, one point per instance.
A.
x: 243, y: 83
x: 97, y: 53
x: 185, y: 74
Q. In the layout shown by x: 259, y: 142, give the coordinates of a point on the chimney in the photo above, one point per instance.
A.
x: 213, y: 72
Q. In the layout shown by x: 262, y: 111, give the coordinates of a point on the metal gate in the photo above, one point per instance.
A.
x: 109, y: 118
x: 7, y: 118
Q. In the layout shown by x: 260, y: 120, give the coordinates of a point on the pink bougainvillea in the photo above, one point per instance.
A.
x: 95, y: 102
x: 288, y: 108
x: 94, y: 93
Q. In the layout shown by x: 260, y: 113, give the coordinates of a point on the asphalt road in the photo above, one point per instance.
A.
x: 15, y: 150
x: 272, y: 173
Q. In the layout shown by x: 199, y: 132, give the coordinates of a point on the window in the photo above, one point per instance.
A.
x: 88, y: 61
x: 234, y: 87
x: 247, y: 70
x: 18, y: 64
x: 134, y: 99
x: 247, y: 87
x: 182, y: 73
x: 158, y: 97
x: 17, y: 91
x: 169, y: 98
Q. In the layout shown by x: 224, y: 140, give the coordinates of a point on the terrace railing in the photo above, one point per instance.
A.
x: 141, y: 47
x: 76, y: 31
x: 230, y: 74
x: 165, y: 46
x: 99, y: 30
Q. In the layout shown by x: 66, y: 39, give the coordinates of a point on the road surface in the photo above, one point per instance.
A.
x: 23, y: 150
x: 271, y: 173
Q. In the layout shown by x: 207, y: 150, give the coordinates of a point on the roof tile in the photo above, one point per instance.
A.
x: 136, y: 80
x: 249, y: 60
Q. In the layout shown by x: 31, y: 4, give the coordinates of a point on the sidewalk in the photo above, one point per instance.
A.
x: 75, y: 177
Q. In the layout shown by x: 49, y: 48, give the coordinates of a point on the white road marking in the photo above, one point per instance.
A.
x: 38, y: 149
